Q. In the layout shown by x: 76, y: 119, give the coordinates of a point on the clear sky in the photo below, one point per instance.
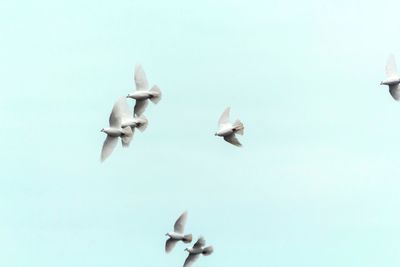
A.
x: 315, y: 184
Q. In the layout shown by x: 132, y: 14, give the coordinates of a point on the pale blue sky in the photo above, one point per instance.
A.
x: 316, y: 183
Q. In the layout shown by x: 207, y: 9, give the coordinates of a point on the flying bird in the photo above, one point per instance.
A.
x: 178, y: 233
x: 116, y: 129
x: 197, y: 249
x: 142, y: 94
x: 228, y: 130
x: 393, y: 80
x: 128, y: 119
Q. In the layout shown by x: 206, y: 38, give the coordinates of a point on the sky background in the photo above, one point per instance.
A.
x: 315, y: 184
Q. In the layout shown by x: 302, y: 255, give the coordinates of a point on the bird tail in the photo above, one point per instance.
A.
x: 187, y: 238
x: 239, y: 127
x: 143, y: 123
x: 155, y: 94
x: 208, y: 251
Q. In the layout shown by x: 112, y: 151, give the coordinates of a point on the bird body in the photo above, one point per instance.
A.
x: 113, y: 132
x: 176, y: 236
x: 391, y: 81
x: 227, y: 130
x: 142, y: 95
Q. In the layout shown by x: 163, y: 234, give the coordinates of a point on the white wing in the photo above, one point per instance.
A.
x: 395, y: 91
x: 170, y: 244
x: 232, y: 139
x: 224, y: 119
x: 125, y: 110
x: 140, y: 106
x: 179, y: 225
x: 201, y: 242
x: 108, y: 147
x: 190, y: 259
x: 391, y: 69
x: 117, y: 113
x: 140, y: 78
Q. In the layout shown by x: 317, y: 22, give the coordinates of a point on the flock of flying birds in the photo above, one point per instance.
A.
x: 123, y: 122
x: 177, y: 235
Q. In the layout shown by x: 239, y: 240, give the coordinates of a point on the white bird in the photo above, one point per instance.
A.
x: 178, y: 233
x: 393, y: 79
x: 197, y: 249
x: 130, y: 120
x: 142, y: 94
x: 116, y: 130
x: 228, y: 130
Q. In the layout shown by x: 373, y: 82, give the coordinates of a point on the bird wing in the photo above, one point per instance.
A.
x: 108, y: 146
x: 395, y: 91
x: 179, y: 225
x: 117, y: 112
x: 170, y: 244
x: 190, y: 259
x: 140, y: 78
x: 201, y: 242
x: 224, y: 119
x: 125, y: 110
x: 140, y: 106
x: 232, y: 139
x: 391, y: 69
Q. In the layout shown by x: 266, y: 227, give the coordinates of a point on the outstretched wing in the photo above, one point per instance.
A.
x: 117, y: 112
x: 140, y: 106
x: 201, y: 242
x: 224, y: 119
x: 232, y: 139
x: 170, y: 244
x: 179, y: 225
x: 140, y: 78
x: 395, y: 91
x: 108, y: 147
x: 190, y: 259
x: 391, y: 69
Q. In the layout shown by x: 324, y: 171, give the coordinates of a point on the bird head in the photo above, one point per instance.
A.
x: 102, y: 130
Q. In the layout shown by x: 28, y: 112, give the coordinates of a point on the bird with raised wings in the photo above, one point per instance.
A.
x: 142, y: 94
x: 227, y: 130
x: 197, y: 250
x: 393, y: 79
x: 178, y: 233
x: 128, y: 119
x: 116, y: 129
